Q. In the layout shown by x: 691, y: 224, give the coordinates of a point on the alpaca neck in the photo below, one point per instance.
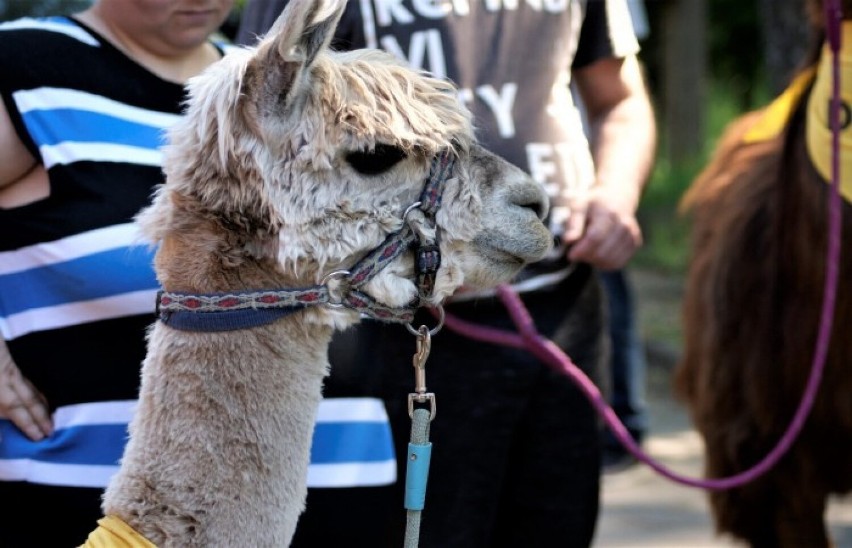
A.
x: 220, y: 444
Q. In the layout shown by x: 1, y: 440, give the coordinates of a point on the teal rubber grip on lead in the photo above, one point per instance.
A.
x: 416, y: 475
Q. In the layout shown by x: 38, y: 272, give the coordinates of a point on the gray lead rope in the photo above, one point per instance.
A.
x: 419, y: 453
x: 419, y: 448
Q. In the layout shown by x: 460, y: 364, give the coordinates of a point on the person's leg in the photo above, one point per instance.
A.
x: 552, y: 489
x: 37, y: 515
x: 349, y: 516
x: 352, y: 516
x: 628, y: 365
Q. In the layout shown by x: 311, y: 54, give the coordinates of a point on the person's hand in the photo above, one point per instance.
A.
x: 20, y: 402
x: 602, y: 228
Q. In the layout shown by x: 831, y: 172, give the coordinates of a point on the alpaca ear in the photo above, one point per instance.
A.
x: 305, y: 27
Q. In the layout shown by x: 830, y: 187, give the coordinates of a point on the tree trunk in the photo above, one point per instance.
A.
x: 785, y: 37
x: 685, y: 76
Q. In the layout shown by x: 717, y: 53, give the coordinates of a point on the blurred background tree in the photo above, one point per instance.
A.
x: 785, y: 39
x: 708, y: 61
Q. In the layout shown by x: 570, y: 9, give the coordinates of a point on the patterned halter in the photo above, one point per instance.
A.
x: 234, y: 310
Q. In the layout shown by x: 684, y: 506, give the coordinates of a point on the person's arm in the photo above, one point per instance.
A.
x: 20, y: 402
x: 602, y: 229
x: 15, y: 160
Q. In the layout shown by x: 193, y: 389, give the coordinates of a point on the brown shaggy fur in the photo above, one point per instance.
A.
x: 751, y: 315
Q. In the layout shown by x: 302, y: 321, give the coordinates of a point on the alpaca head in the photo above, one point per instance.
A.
x: 303, y: 158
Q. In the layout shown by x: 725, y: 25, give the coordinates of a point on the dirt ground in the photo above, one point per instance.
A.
x: 642, y: 509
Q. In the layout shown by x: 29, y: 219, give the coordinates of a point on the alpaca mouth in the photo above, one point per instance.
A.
x: 533, y: 244
x: 513, y: 252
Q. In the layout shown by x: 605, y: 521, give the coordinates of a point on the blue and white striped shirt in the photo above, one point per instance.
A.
x: 77, y: 288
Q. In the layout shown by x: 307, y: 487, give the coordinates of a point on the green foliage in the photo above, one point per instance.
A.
x: 735, y: 47
x: 666, y: 230
x: 737, y: 82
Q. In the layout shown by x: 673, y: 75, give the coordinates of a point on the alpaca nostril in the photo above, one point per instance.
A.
x: 537, y: 206
x: 535, y: 200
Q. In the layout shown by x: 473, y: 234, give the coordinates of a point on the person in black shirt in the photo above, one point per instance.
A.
x: 517, y: 451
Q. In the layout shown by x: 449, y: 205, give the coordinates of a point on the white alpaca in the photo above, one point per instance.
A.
x: 291, y: 163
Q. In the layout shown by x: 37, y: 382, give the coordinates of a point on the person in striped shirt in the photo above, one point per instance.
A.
x: 85, y: 102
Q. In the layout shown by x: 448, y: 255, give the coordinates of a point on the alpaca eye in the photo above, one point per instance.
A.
x: 375, y: 161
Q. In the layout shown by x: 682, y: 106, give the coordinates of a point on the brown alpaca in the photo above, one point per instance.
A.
x: 751, y: 314
x: 293, y: 162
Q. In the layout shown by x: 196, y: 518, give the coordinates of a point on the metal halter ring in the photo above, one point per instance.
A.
x: 441, y: 316
x: 410, y: 208
x: 335, y: 274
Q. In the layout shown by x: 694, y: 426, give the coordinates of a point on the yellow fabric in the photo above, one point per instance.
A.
x: 819, y: 129
x: 776, y: 115
x: 112, y: 532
